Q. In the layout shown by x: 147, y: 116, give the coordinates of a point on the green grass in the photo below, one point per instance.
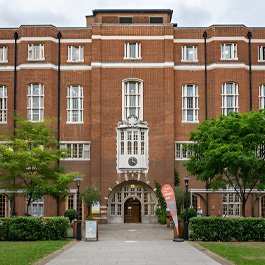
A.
x: 27, y: 252
x: 241, y: 253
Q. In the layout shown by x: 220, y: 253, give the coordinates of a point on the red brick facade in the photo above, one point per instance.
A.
x: 101, y: 74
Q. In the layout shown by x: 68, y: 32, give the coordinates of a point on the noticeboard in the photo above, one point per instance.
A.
x: 91, y: 230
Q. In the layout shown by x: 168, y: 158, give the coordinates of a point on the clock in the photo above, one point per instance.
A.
x: 132, y: 161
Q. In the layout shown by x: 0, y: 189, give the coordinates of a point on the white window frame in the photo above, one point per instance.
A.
x: 225, y: 96
x: 39, y: 205
x: 36, y: 52
x: 126, y: 104
x: 127, y: 51
x: 3, y: 54
x: 225, y: 53
x: 182, y: 153
x: 69, y: 147
x: 3, y: 105
x: 232, y: 201
x: 32, y: 110
x: 75, y: 49
x: 75, y: 114
x: 261, y: 53
x: 184, y: 53
x: 186, y: 101
x: 262, y: 96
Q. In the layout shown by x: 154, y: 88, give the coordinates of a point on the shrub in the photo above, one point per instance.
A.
x: 226, y: 229
x: 32, y: 228
x: 71, y: 214
x: 161, y: 216
x: 191, y: 213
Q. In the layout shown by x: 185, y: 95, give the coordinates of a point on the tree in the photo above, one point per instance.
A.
x: 28, y: 159
x: 230, y: 150
x: 91, y: 196
x: 58, y: 188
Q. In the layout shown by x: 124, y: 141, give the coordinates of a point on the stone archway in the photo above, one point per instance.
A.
x: 142, y: 198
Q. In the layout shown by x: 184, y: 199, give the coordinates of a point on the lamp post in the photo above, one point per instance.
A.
x: 186, y: 224
x: 78, y: 225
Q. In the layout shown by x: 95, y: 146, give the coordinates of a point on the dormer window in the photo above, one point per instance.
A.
x: 132, y: 50
x: 156, y: 20
x: 125, y: 20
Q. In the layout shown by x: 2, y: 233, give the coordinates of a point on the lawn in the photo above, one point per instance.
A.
x: 241, y: 253
x: 27, y: 252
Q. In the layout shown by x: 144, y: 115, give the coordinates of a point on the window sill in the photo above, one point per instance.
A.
x: 3, y: 62
x: 3, y: 122
x: 80, y: 61
x: 73, y: 123
x: 261, y: 61
x: 74, y: 159
x: 36, y: 60
x: 229, y: 59
x: 190, y: 122
x: 128, y: 58
x: 181, y: 159
x: 189, y: 61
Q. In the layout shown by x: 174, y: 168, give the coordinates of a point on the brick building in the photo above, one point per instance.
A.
x: 128, y: 88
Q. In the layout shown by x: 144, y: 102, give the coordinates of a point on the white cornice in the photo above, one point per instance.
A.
x: 101, y: 37
x: 45, y: 39
x: 47, y: 66
x: 132, y: 65
x: 181, y: 67
x: 235, y: 38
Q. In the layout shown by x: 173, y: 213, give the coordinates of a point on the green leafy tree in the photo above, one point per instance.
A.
x: 91, y: 196
x: 230, y: 150
x: 180, y: 196
x: 59, y: 187
x: 28, y: 159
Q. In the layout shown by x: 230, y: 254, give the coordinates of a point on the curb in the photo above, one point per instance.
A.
x: 209, y: 253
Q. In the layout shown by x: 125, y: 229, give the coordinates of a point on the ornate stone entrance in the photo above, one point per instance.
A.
x: 132, y: 202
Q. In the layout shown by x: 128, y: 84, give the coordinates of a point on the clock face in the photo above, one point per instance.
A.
x: 132, y: 161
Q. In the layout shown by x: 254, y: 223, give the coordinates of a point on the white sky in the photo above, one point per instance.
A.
x: 186, y: 13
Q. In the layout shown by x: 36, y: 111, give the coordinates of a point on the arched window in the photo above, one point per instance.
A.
x: 3, y: 104
x: 229, y: 98
x: 132, y: 102
x: 35, y: 102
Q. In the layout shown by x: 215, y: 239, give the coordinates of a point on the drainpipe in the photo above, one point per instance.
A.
x: 206, y: 106
x: 249, y: 35
x: 59, y: 36
x: 15, y: 83
x: 13, y: 203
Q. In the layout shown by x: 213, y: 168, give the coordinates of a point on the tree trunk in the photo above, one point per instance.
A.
x: 244, y: 207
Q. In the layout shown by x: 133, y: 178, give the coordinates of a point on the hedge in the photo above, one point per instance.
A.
x: 33, y: 228
x: 227, y: 229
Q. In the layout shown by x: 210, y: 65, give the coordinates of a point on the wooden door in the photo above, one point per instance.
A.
x: 132, y: 211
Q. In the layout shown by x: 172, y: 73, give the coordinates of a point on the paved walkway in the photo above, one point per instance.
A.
x: 133, y: 244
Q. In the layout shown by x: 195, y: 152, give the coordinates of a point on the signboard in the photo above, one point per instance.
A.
x: 169, y: 196
x: 91, y: 230
x: 96, y: 208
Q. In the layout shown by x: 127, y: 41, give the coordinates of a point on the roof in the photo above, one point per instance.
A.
x: 135, y: 11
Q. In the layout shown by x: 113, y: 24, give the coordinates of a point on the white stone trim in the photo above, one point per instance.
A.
x: 46, y: 66
x: 130, y: 65
x: 236, y: 38
x: 46, y: 39
x: 101, y: 37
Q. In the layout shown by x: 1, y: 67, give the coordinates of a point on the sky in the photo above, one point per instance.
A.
x: 186, y: 13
